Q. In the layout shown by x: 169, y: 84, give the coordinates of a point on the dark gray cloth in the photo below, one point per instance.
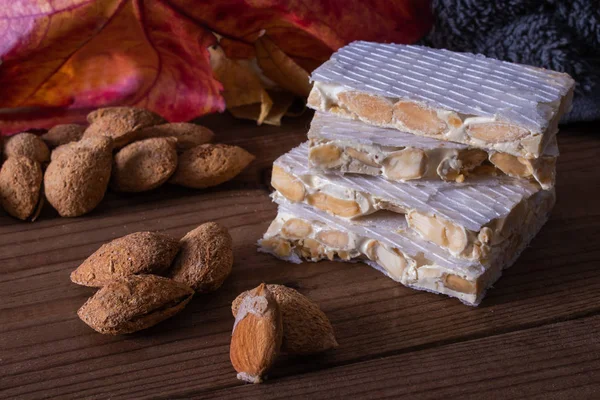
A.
x: 563, y: 35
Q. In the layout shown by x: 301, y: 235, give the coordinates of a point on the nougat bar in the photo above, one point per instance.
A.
x: 341, y: 145
x: 460, y: 97
x: 384, y: 241
x: 466, y: 219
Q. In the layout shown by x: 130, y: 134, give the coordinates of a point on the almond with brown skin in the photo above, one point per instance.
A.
x: 20, y: 185
x: 306, y: 329
x: 63, y: 134
x: 27, y: 145
x: 120, y: 123
x: 76, y: 179
x: 144, y: 165
x: 210, y: 165
x: 257, y: 334
x: 205, y: 258
x: 134, y: 303
x: 136, y: 253
x: 187, y: 135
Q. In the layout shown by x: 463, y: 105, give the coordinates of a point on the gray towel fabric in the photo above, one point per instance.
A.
x: 563, y: 35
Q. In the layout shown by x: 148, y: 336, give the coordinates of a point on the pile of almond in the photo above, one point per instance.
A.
x: 147, y: 277
x: 128, y: 149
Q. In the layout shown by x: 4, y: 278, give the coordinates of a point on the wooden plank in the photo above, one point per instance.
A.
x: 556, y: 361
x: 46, y: 351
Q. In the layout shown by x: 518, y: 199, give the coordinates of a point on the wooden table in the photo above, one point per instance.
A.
x: 536, y: 335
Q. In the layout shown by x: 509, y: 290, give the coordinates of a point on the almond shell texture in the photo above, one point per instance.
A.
x: 20, y: 186
x: 210, y: 165
x: 134, y: 303
x: 205, y: 258
x: 186, y: 135
x: 136, y: 253
x: 27, y: 145
x: 306, y: 329
x: 77, y: 177
x: 120, y: 123
x: 144, y: 165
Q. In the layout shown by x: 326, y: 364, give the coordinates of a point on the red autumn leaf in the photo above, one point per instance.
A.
x: 63, y: 58
x: 312, y: 29
x: 96, y: 53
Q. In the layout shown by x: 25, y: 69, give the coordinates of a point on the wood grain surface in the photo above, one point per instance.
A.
x: 536, y: 335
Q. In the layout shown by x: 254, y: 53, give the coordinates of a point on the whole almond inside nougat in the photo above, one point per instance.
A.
x: 120, y: 123
x: 257, y: 335
x: 210, y: 165
x: 20, y: 184
x: 26, y: 145
x: 133, y: 303
x: 63, y: 134
x: 187, y: 135
x: 144, y: 165
x: 205, y: 258
x: 306, y: 329
x: 76, y: 179
x: 136, y: 253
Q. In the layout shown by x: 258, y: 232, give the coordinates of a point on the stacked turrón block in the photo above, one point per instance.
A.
x: 436, y: 168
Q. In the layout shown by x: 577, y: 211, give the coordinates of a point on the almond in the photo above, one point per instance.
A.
x: 512, y: 165
x: 63, y: 134
x: 417, y: 118
x: 20, y: 185
x: 205, y: 258
x: 76, y: 179
x: 186, y: 135
x: 306, y: 329
x: 120, y: 123
x: 257, y: 335
x: 137, y: 253
x: 406, y: 164
x: 459, y: 284
x: 144, y: 165
x: 27, y: 145
x: 334, y: 205
x: 374, y: 109
x: 286, y: 184
x: 325, y: 155
x: 496, y: 132
x: 210, y: 165
x: 134, y: 303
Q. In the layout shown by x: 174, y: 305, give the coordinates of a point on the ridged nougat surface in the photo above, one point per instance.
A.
x: 383, y: 242
x: 368, y: 149
x: 468, y: 83
x: 472, y: 204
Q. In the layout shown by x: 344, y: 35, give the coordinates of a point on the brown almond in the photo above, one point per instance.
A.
x: 120, y: 123
x: 57, y: 151
x: 210, y: 165
x: 76, y: 179
x: 286, y: 184
x: 497, y: 132
x: 63, y: 134
x: 306, y: 329
x: 374, y: 109
x: 205, y: 258
x: 133, y: 254
x: 417, y: 118
x: 26, y: 145
x: 144, y: 165
x: 334, y: 205
x: 134, y: 303
x: 20, y: 185
x: 187, y: 135
x: 257, y: 335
